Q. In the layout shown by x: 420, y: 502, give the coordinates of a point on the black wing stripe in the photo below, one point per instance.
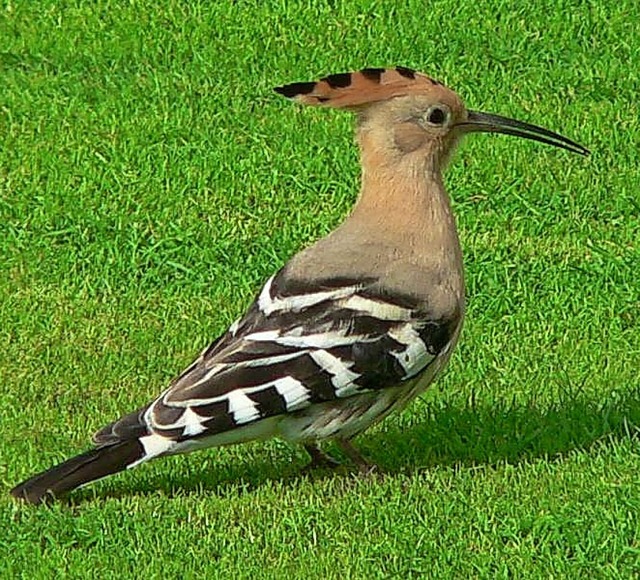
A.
x: 269, y: 401
x: 212, y: 410
x: 252, y: 351
x: 219, y: 423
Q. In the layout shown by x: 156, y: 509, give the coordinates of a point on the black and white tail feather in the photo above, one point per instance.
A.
x: 306, y: 364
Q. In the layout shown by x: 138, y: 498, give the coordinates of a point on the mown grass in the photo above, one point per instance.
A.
x: 150, y: 181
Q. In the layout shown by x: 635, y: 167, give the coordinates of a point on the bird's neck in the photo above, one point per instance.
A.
x: 404, y: 203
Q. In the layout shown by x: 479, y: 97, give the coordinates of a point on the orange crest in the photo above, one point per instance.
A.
x: 359, y: 88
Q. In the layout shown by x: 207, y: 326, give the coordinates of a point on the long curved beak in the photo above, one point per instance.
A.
x: 489, y: 123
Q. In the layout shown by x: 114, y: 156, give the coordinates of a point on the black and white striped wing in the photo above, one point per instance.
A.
x: 291, y: 350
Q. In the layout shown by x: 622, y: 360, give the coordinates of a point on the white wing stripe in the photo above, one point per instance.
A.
x: 234, y: 327
x: 415, y: 357
x: 268, y: 305
x: 375, y: 308
x: 294, y: 393
x: 322, y: 340
x: 343, y: 379
x: 243, y: 409
x: 254, y: 362
x: 270, y: 360
x: 266, y: 335
x: 215, y: 369
x: 192, y: 423
x: 153, y: 446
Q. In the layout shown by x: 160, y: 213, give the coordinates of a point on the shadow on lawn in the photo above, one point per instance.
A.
x: 449, y: 435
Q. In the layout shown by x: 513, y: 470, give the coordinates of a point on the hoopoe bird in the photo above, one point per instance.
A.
x: 351, y: 328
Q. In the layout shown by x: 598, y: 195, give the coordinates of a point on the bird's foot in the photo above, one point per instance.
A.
x: 319, y: 459
x: 365, y: 468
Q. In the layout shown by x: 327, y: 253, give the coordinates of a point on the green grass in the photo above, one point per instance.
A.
x: 150, y: 181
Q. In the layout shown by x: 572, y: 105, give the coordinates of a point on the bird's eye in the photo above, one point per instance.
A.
x: 437, y: 115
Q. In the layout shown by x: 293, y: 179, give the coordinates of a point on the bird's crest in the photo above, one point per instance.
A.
x: 353, y: 89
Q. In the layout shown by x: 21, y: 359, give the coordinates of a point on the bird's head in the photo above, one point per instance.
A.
x: 402, y: 112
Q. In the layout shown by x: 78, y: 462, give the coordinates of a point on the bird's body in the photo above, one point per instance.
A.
x: 352, y: 328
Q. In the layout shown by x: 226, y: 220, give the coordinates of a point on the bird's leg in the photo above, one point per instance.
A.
x: 319, y: 458
x: 364, y: 467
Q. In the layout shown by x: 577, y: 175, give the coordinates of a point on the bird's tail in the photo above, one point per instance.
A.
x: 79, y: 470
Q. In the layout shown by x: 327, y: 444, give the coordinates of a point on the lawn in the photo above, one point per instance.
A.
x: 150, y: 181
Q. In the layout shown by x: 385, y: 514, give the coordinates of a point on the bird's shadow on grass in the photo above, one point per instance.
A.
x: 437, y: 434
